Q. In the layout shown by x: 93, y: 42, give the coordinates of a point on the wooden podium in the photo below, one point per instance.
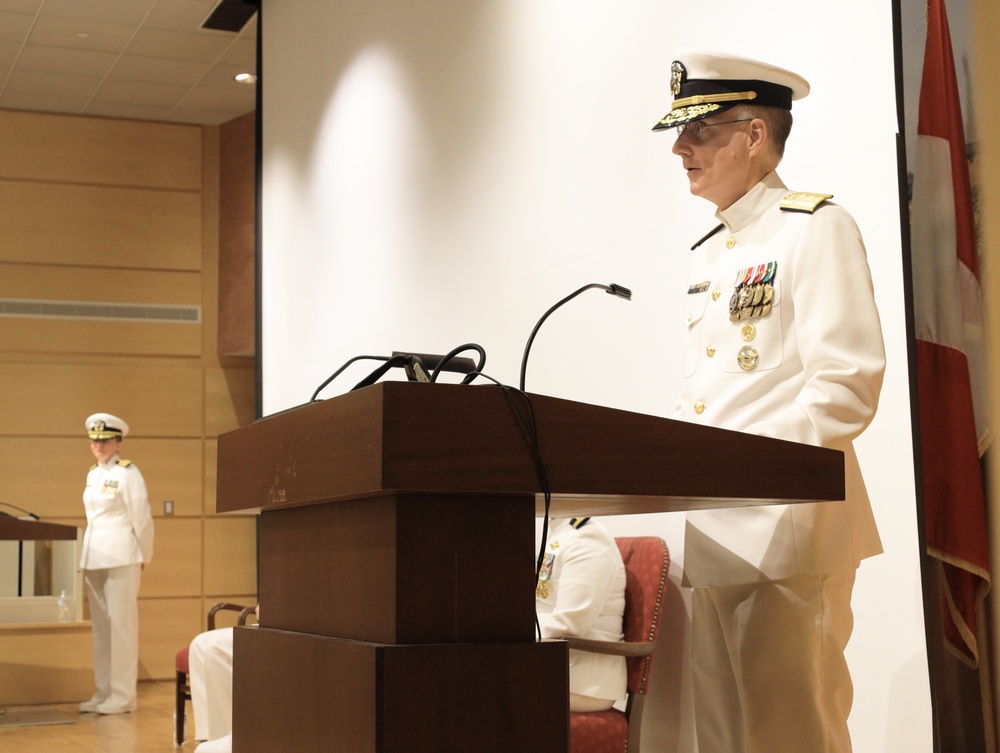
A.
x: 397, y: 555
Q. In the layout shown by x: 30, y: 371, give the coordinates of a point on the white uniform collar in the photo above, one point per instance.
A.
x: 753, y: 203
x: 112, y: 462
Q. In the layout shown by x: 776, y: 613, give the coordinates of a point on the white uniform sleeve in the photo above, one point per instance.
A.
x: 137, y: 504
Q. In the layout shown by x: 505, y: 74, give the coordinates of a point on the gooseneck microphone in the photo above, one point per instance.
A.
x: 612, y: 289
x: 19, y: 509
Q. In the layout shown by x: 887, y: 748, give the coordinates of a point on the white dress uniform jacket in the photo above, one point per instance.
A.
x: 119, y: 523
x: 809, y: 371
x: 581, y: 593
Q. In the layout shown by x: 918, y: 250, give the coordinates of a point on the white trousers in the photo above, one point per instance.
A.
x: 768, y: 666
x: 114, y: 625
x: 210, y: 662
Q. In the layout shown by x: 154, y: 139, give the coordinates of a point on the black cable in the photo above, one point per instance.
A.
x: 380, y: 371
x: 337, y: 373
x: 461, y: 349
x: 529, y: 428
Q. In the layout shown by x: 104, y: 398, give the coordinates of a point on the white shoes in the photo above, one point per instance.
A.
x: 116, y: 708
x: 220, y: 745
x: 100, y: 705
x: 89, y: 707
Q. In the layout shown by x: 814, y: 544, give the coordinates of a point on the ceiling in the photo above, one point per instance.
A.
x: 139, y: 59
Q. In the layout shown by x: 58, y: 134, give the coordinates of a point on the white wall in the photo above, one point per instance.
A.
x: 442, y: 172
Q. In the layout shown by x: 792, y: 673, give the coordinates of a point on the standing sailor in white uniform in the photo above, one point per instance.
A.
x: 117, y: 543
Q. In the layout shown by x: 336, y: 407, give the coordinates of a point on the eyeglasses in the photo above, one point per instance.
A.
x: 698, y: 128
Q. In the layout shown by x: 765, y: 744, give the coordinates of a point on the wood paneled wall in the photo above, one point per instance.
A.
x: 98, y: 210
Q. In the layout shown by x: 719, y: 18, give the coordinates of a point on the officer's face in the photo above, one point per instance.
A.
x: 104, y: 449
x: 716, y: 155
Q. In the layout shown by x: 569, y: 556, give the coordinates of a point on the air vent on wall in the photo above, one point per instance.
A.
x: 134, y: 312
x: 231, y: 15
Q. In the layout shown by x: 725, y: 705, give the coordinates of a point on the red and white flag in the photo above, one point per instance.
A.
x: 951, y: 376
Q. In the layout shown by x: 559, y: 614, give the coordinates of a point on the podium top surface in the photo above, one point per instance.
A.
x: 16, y: 529
x: 408, y: 437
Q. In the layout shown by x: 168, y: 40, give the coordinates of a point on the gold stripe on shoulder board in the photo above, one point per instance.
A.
x: 798, y: 201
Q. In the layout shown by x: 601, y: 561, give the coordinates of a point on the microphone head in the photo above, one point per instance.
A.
x: 620, y: 291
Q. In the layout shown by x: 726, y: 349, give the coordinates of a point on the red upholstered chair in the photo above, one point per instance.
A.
x: 182, y: 667
x: 646, y: 563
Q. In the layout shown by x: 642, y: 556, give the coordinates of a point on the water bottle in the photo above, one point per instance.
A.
x: 63, y: 607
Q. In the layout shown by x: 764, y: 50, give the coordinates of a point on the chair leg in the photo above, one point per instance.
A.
x: 179, y: 710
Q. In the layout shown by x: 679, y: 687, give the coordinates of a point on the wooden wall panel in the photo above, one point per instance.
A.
x: 99, y: 151
x: 165, y: 627
x: 46, y: 223
x: 41, y: 399
x: 229, y: 399
x: 58, y: 472
x: 173, y: 470
x: 100, y: 285
x: 115, y: 337
x: 210, y: 478
x: 230, y: 555
x: 54, y: 489
x: 117, y: 211
x: 237, y: 236
x: 176, y: 566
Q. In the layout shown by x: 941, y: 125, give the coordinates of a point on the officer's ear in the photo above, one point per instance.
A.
x: 760, y: 139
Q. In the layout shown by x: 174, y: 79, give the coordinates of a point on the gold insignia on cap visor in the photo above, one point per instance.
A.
x: 100, y: 430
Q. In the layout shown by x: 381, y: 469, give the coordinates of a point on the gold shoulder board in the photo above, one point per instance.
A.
x: 124, y: 463
x: 798, y: 201
x: 93, y: 466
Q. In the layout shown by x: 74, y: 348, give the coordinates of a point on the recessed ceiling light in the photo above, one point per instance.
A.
x: 245, y: 78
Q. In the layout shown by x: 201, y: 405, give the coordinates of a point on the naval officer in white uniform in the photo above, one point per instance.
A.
x: 581, y: 594
x: 117, y: 543
x: 783, y: 340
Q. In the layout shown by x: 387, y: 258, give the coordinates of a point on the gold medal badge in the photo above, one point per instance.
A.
x: 748, y: 358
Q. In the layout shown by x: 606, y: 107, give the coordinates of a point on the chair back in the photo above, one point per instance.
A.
x: 647, y: 561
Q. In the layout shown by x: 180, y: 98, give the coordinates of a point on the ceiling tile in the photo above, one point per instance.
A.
x: 8, y: 54
x: 83, y: 35
x: 14, y: 27
x: 242, y: 52
x: 128, y: 12
x: 21, y: 6
x: 64, y: 60
x: 51, y: 92
x: 142, y: 68
x: 160, y: 43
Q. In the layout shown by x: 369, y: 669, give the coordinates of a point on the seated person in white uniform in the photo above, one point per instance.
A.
x: 581, y: 593
x: 210, y: 662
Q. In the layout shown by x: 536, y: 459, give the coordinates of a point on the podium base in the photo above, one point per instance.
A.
x: 313, y: 694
